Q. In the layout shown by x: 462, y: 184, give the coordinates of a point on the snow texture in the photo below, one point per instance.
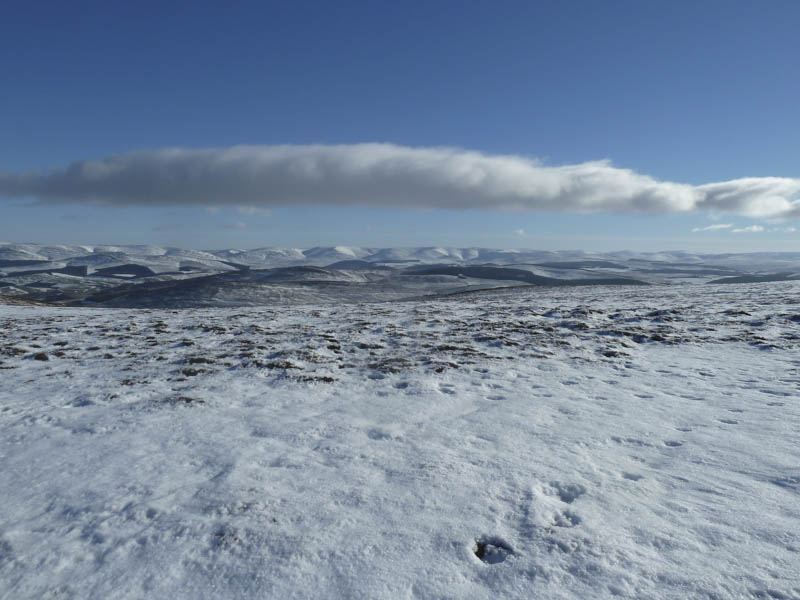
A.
x: 525, y: 443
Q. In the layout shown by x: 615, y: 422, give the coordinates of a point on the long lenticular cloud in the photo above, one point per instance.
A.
x: 386, y: 175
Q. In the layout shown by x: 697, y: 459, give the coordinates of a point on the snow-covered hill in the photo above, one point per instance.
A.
x: 150, y: 276
x: 321, y: 256
x: 526, y: 443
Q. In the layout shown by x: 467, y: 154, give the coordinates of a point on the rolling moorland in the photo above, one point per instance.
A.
x: 149, y: 276
x: 430, y: 423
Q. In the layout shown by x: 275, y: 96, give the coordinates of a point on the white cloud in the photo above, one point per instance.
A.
x: 749, y: 229
x: 386, y: 175
x: 713, y: 227
x: 754, y: 196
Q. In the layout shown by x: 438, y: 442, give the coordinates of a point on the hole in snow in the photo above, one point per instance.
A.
x: 492, y: 550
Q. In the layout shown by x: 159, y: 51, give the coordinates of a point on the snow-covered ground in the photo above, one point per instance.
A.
x: 585, y: 442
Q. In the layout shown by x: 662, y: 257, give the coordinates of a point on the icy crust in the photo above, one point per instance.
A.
x: 582, y: 443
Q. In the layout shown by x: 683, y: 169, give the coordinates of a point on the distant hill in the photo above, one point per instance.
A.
x: 153, y: 276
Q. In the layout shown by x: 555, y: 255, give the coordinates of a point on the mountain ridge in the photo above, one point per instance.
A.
x: 154, y: 276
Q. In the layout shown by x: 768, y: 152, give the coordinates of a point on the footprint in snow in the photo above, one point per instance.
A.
x: 492, y: 550
x: 377, y: 433
x: 566, y: 492
x: 632, y: 476
x: 728, y: 421
x: 673, y: 443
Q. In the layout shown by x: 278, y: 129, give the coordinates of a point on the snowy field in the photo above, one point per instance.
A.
x: 526, y: 443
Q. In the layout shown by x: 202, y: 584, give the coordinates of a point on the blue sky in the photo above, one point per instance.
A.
x: 690, y: 93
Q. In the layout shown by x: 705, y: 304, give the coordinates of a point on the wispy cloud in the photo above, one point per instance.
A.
x: 749, y: 229
x: 234, y: 225
x: 254, y: 211
x: 716, y: 227
x: 386, y: 175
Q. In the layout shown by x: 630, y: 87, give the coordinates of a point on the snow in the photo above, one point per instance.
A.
x: 585, y: 442
x: 165, y: 258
